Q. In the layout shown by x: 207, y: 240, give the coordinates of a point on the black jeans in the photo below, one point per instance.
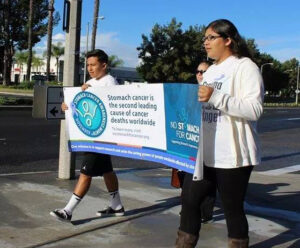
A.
x: 232, y: 186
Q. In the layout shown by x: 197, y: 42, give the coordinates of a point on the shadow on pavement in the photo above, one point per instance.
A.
x: 138, y: 212
x: 280, y: 202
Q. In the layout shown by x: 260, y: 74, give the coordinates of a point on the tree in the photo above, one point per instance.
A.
x: 95, y: 22
x: 5, y: 40
x: 15, y: 30
x: 290, y: 67
x: 114, y: 61
x: 171, y: 54
x: 37, y: 63
x: 49, y: 38
x: 30, y: 17
x: 274, y: 77
x: 21, y: 59
x: 57, y: 51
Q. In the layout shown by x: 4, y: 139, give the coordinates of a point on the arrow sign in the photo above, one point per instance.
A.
x: 54, y: 111
x: 55, y: 97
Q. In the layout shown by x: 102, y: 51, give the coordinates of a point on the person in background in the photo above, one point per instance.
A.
x: 232, y: 95
x: 207, y: 206
x: 94, y: 164
x: 201, y: 69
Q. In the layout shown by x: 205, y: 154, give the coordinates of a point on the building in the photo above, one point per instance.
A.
x: 123, y: 75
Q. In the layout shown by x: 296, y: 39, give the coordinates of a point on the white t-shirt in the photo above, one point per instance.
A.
x: 229, y: 117
x: 106, y: 80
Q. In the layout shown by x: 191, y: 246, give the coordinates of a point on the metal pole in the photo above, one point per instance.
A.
x: 262, y: 66
x: 66, y: 168
x: 86, y: 50
x: 297, y: 88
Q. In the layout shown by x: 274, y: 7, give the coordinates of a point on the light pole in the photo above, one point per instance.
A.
x: 262, y: 66
x: 297, y: 88
x: 87, y: 47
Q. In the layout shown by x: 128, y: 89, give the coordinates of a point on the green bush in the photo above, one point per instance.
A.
x: 23, y: 86
x: 14, y: 101
x: 28, y: 85
x: 54, y: 83
x: 281, y: 104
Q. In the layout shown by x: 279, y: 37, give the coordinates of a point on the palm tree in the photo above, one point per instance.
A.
x: 57, y: 51
x: 49, y: 40
x: 21, y: 59
x: 95, y: 21
x: 29, y: 61
x: 114, y: 61
x: 37, y: 63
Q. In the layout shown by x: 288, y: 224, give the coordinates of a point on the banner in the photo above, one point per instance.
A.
x: 155, y: 122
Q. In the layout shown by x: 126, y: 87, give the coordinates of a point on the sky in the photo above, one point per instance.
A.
x: 274, y: 24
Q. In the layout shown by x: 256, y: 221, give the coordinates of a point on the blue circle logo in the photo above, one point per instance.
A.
x: 89, y: 114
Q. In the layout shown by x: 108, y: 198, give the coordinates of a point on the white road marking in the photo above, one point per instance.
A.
x: 24, y: 173
x: 293, y: 119
x: 41, y: 172
x: 2, y: 139
x: 274, y: 212
x: 281, y: 171
x: 28, y: 173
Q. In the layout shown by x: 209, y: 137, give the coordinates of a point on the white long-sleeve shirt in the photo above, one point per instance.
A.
x: 229, y: 118
x: 106, y: 80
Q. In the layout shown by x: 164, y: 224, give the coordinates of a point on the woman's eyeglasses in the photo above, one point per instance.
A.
x: 200, y: 71
x: 211, y: 37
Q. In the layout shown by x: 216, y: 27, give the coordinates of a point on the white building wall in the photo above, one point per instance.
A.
x: 19, y: 71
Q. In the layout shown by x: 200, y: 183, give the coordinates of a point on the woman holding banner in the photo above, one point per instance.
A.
x: 232, y: 94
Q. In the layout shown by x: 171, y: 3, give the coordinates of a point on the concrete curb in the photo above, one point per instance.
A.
x: 15, y: 107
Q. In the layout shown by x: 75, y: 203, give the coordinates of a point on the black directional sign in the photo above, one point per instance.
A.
x: 54, y: 111
x: 55, y: 97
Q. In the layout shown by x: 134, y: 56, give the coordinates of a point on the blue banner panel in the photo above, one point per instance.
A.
x: 142, y: 153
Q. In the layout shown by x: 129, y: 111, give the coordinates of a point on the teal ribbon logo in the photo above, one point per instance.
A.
x: 89, y: 114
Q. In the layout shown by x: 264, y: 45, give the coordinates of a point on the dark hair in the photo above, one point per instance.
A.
x: 207, y: 62
x: 100, y: 54
x: 226, y: 29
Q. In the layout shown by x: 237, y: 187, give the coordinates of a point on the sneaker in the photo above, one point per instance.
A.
x: 207, y: 220
x: 111, y: 212
x: 61, y: 215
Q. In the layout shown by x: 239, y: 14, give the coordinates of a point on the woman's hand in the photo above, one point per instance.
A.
x: 64, y: 107
x: 85, y: 86
x: 204, y: 93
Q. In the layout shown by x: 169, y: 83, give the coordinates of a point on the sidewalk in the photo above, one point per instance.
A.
x: 16, y: 94
x: 151, y: 219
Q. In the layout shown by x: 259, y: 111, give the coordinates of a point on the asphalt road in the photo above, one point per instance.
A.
x: 28, y: 144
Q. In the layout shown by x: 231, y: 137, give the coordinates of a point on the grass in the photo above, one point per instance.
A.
x: 4, y: 100
x: 12, y: 90
x: 281, y: 104
x: 22, y: 88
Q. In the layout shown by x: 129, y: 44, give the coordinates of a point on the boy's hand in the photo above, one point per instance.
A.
x: 85, y: 86
x: 64, y: 107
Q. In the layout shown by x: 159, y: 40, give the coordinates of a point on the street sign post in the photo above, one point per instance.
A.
x: 55, y: 97
x: 47, y: 102
x: 66, y: 168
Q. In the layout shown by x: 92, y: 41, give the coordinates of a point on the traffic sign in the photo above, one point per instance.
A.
x: 55, y: 97
x: 297, y: 91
